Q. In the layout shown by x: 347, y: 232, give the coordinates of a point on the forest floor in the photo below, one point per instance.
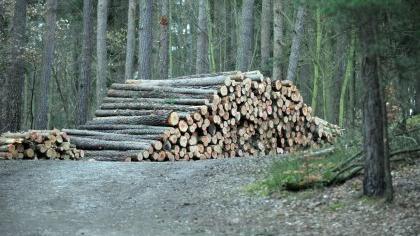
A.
x: 191, y: 198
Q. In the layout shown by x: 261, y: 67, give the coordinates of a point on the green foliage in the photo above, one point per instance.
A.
x: 301, y: 170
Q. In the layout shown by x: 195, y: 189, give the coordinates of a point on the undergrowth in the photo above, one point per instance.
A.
x: 301, y: 171
x: 304, y: 171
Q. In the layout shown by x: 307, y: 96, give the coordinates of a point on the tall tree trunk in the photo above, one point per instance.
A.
x: 41, y: 121
x: 220, y: 34
x: 278, y: 40
x: 164, y: 41
x: 86, y: 64
x: 102, y: 64
x: 3, y: 42
x: 417, y: 100
x: 231, y: 35
x: 316, y: 62
x: 346, y: 80
x: 266, y: 16
x: 377, y: 178
x: 296, y: 43
x: 212, y: 61
x: 145, y: 39
x: 202, y: 61
x: 131, y: 38
x: 244, y: 56
x: 15, y: 79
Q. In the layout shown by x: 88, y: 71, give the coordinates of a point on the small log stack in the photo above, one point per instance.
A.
x: 201, y: 117
x: 38, y: 144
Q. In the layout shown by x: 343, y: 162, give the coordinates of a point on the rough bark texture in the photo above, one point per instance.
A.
x: 15, y: 79
x: 41, y: 121
x: 164, y: 41
x: 102, y: 68
x: 131, y: 40
x: 296, y: 43
x: 243, y: 60
x: 266, y: 16
x: 95, y: 144
x: 202, y: 61
x: 377, y: 179
x: 86, y: 63
x: 122, y: 127
x: 145, y: 40
x: 3, y: 36
x: 278, y: 40
x: 417, y: 101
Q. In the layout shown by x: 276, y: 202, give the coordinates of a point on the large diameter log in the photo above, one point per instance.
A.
x: 118, y: 112
x: 148, y: 106
x: 168, y: 101
x: 112, y: 155
x: 120, y: 137
x: 95, y: 144
x: 78, y: 132
x: 227, y: 73
x: 147, y: 128
x: 161, y: 89
x: 170, y: 119
x: 193, y: 82
x: 157, y: 94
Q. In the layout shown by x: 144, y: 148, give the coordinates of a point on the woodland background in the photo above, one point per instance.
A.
x: 59, y: 56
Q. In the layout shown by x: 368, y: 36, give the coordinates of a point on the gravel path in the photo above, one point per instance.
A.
x: 189, y: 198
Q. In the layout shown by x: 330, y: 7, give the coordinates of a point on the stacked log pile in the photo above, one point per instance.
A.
x: 201, y: 117
x: 38, y: 144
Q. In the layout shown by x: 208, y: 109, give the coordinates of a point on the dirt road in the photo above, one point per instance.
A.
x: 183, y: 198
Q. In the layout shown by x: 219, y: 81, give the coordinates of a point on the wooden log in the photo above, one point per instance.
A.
x: 121, y: 137
x: 147, y: 128
x: 6, y: 155
x: 162, y: 89
x: 10, y: 140
x: 190, y: 82
x: 170, y: 101
x: 159, y: 107
x: 95, y: 144
x: 164, y: 119
x: 111, y: 155
x: 119, y: 112
x: 116, y: 93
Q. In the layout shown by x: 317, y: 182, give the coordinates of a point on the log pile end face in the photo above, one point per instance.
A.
x: 38, y: 144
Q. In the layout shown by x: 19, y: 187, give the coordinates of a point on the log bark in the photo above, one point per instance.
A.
x: 157, y: 94
x: 170, y: 119
x: 148, y: 106
x: 94, y: 144
x: 105, y: 113
x: 166, y: 101
x: 146, y: 128
x: 105, y: 136
x: 146, y: 87
x: 111, y: 155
